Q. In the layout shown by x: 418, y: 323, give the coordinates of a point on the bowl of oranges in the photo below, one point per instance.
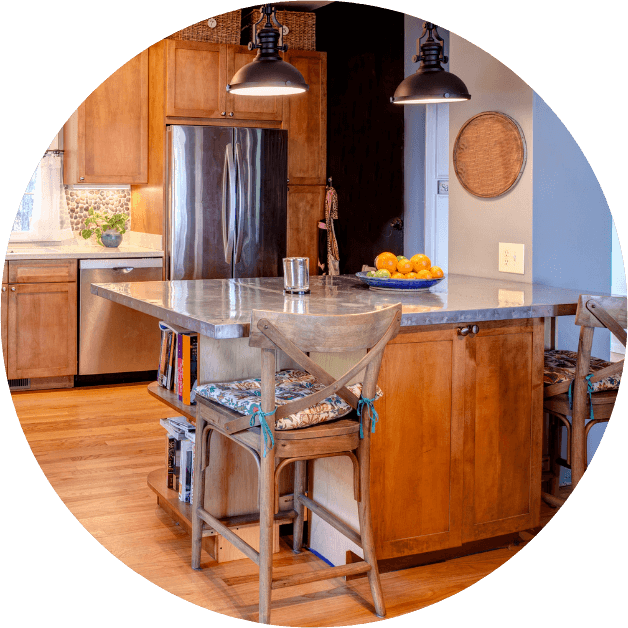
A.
x: 397, y: 272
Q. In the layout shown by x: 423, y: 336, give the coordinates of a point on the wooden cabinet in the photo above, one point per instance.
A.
x: 306, y: 206
x: 41, y: 319
x: 456, y: 456
x: 197, y: 74
x: 106, y: 139
x: 3, y: 321
x: 305, y: 117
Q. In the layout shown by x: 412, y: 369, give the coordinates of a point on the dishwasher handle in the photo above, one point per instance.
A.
x: 121, y: 264
x: 124, y: 269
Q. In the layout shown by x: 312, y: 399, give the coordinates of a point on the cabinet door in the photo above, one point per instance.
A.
x: 503, y: 428
x: 42, y: 330
x: 196, y: 79
x: 3, y: 320
x: 249, y: 107
x: 305, y: 117
x: 416, y: 451
x: 306, y: 206
x: 112, y: 128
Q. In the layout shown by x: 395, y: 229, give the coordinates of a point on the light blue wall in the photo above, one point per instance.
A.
x: 414, y: 147
x: 571, y: 227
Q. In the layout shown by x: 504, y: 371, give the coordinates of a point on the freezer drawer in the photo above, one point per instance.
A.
x: 114, y: 338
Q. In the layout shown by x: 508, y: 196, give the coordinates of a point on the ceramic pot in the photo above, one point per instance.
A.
x: 111, y: 238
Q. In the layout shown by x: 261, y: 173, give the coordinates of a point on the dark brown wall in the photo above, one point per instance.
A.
x: 365, y: 47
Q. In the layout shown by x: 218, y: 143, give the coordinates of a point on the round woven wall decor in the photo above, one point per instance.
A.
x: 489, y: 154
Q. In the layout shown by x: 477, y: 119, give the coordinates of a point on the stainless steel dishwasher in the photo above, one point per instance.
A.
x: 114, y: 338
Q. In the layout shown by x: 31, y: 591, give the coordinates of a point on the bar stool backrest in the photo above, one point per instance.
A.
x: 297, y: 334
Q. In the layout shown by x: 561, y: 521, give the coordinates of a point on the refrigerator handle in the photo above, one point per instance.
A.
x: 241, y: 208
x: 228, y: 215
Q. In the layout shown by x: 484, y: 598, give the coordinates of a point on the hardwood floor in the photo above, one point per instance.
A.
x: 96, y: 446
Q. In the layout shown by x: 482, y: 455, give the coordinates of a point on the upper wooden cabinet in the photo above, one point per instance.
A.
x: 197, y: 76
x: 305, y: 117
x: 106, y: 139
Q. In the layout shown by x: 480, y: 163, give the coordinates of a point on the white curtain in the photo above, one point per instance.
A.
x: 51, y: 219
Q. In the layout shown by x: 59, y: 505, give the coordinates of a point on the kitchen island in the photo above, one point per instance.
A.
x: 456, y: 457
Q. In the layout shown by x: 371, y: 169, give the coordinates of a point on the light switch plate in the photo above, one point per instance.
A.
x: 511, y: 258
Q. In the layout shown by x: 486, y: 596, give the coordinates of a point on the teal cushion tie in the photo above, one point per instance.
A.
x: 363, y: 401
x: 590, y: 389
x: 268, y: 435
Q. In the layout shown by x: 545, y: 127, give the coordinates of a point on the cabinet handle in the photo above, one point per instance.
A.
x: 231, y: 114
x: 475, y: 329
x: 12, y: 288
x: 4, y: 288
x: 81, y: 178
x: 223, y: 113
x: 463, y: 331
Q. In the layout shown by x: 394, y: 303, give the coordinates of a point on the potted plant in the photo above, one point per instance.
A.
x: 108, y: 229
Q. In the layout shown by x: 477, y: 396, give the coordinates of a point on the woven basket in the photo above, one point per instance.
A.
x: 226, y: 31
x: 489, y: 154
x: 301, y: 26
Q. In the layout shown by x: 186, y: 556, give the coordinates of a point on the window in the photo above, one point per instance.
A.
x: 43, y: 215
x: 23, y: 219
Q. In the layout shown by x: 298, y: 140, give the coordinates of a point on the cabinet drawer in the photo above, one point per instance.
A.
x: 43, y: 271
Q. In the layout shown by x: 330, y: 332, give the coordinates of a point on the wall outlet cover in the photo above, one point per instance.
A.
x: 511, y: 258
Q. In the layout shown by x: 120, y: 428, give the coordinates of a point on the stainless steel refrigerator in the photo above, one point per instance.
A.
x: 227, y: 202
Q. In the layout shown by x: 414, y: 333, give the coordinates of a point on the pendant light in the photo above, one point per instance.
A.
x: 431, y: 83
x: 267, y: 74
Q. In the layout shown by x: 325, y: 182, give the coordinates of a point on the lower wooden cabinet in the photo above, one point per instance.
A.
x: 456, y: 456
x: 39, y: 318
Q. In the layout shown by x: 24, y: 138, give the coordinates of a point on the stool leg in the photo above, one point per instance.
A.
x: 266, y: 521
x: 299, y: 489
x: 366, y: 528
x: 556, y: 432
x: 199, y: 489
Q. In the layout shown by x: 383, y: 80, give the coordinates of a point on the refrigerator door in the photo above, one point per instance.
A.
x: 261, y: 157
x: 202, y: 202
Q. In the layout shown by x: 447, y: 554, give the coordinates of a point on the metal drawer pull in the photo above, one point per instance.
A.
x: 465, y: 331
x: 12, y: 288
x: 4, y: 288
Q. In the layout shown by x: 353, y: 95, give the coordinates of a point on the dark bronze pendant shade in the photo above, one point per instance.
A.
x: 431, y: 83
x: 268, y: 74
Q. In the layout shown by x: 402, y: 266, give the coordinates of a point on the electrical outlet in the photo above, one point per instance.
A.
x: 511, y: 258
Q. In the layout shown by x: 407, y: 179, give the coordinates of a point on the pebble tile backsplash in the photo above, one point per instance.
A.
x: 104, y: 201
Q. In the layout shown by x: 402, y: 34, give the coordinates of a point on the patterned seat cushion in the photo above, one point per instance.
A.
x: 560, y: 366
x: 244, y: 396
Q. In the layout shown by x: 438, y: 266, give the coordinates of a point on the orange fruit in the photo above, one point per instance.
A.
x: 411, y: 275
x: 398, y: 276
x: 420, y: 262
x: 386, y: 261
x: 424, y: 274
x: 404, y: 266
x: 437, y: 272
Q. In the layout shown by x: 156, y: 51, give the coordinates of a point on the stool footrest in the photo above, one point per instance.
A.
x: 245, y: 521
x: 321, y: 574
x: 230, y: 535
x: 552, y: 500
x: 330, y: 518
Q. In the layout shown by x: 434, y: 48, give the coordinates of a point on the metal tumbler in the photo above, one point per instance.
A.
x: 296, y: 275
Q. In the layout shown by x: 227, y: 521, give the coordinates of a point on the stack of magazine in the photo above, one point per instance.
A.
x: 180, y: 456
x: 178, y: 361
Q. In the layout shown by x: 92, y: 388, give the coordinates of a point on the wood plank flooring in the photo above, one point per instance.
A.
x: 96, y: 447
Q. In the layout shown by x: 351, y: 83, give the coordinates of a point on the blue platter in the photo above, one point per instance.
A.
x: 398, y: 285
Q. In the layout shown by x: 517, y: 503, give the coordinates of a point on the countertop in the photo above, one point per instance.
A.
x: 221, y: 308
x: 79, y: 251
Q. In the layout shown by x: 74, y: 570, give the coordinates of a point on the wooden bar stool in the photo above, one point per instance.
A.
x: 261, y: 416
x: 581, y: 387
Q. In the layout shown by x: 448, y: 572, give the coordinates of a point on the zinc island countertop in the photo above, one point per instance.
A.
x: 221, y: 308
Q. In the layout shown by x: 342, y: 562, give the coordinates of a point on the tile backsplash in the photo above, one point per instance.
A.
x: 105, y: 201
